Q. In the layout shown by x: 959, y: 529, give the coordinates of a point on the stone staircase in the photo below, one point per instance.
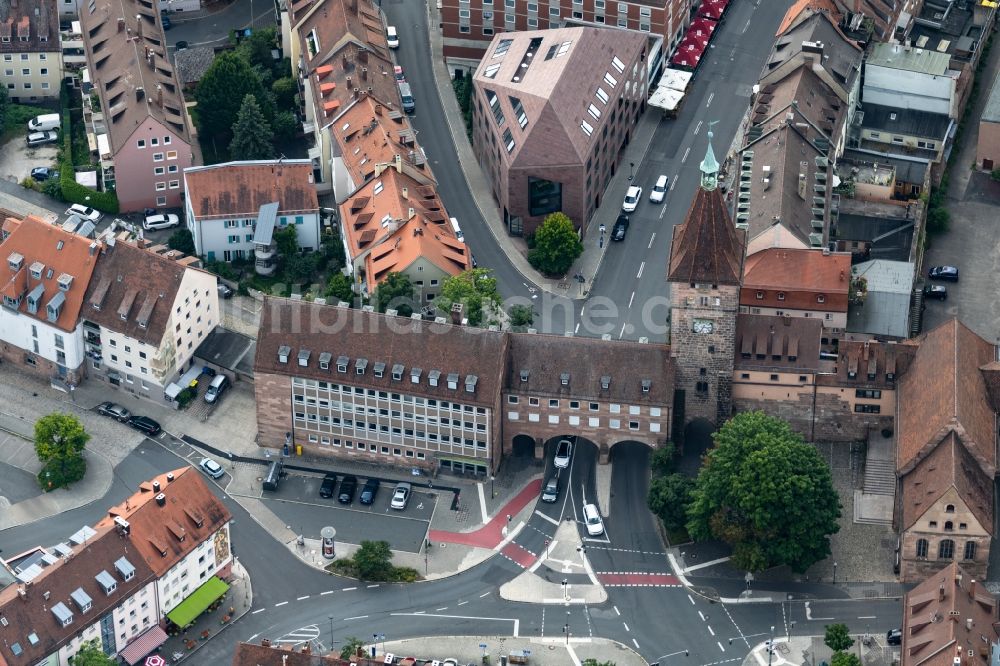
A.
x: 880, y: 477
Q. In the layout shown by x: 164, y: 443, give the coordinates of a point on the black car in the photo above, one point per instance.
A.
x: 620, y: 228
x: 937, y: 291
x: 329, y: 483
x: 894, y: 637
x: 145, y: 424
x: 41, y: 174
x: 164, y: 19
x: 348, y: 486
x: 225, y: 291
x: 949, y: 273
x: 369, y: 491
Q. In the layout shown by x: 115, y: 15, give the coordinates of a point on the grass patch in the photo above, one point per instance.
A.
x: 396, y: 574
x: 18, y: 115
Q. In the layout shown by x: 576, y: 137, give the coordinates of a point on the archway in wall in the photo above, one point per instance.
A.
x: 523, y: 446
x: 629, y: 467
x: 581, y: 470
x: 697, y: 442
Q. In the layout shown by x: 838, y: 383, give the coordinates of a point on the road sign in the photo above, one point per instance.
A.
x: 482, y: 646
x: 527, y: 653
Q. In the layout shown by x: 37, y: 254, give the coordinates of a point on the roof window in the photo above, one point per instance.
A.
x: 415, y: 375
x: 342, y: 362
x: 564, y: 379
x: 324, y: 360
x: 304, y: 357
x: 433, y: 377
x: 379, y: 369
x: 361, y: 365
x: 453, y: 381
x: 646, y: 384
x: 470, y: 383
x: 397, y: 372
x: 283, y: 352
x: 605, y: 382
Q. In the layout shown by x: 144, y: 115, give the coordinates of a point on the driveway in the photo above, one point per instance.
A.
x: 17, y: 160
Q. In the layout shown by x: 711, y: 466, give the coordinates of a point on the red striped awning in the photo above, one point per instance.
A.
x: 143, y: 645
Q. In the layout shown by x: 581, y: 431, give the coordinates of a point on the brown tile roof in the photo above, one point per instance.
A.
x: 865, y: 364
x: 393, y: 220
x: 378, y: 338
x: 126, y: 55
x: 944, y: 391
x: 802, y: 9
x: 947, y: 616
x: 628, y: 364
x: 61, y: 253
x: 802, y: 276
x: 814, y: 99
x: 152, y: 297
x: 163, y: 535
x: 239, y: 189
x: 707, y: 248
x: 369, y: 134
x: 841, y: 57
x: 781, y: 343
x: 38, y: 20
x: 33, y: 614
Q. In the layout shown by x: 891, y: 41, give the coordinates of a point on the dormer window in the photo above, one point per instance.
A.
x: 63, y: 614
x: 379, y: 370
x: 415, y: 375
x: 760, y: 295
x: 433, y: 377
x: 82, y: 599
x: 283, y: 353
x: 605, y: 382
x: 453, y: 381
x: 564, y: 379
x: 821, y: 298
x: 646, y: 384
x: 304, y: 357
x: 470, y: 383
x: 342, y: 362
x: 781, y: 295
x: 360, y: 366
x: 524, y: 375
x: 36, y: 270
x: 54, y: 308
x: 324, y: 360
x: 397, y: 372
x: 15, y: 261
x: 949, y: 508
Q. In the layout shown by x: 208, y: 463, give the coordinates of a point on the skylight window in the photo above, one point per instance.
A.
x: 610, y: 80
x: 491, y: 70
x: 563, y: 48
x: 508, y: 140
x: 378, y: 187
x: 502, y: 48
x: 595, y: 112
x: 618, y: 64
x: 522, y: 117
x: 587, y: 128
x: 602, y: 96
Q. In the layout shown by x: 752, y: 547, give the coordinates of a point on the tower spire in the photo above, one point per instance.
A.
x: 709, y: 166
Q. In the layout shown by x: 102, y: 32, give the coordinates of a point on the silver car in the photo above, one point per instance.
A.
x: 212, y: 468
x: 400, y: 496
x: 114, y: 410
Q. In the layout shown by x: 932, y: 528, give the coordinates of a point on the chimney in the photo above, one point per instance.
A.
x: 159, y: 95
x: 405, y: 193
x: 121, y: 24
x: 364, y: 73
x: 410, y: 213
x: 357, y: 92
x: 161, y: 500
x: 378, y: 109
x: 93, y: 248
x: 345, y: 63
x: 156, y: 486
x: 348, y: 83
x: 972, y: 590
x: 802, y: 186
x: 841, y: 275
x: 306, y: 649
x: 457, y: 309
x: 968, y: 623
x: 170, y: 477
x: 265, y: 642
x: 941, y: 592
x: 138, y: 24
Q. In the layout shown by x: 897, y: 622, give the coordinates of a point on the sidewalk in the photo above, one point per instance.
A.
x: 551, y: 651
x: 812, y: 650
x: 515, y: 248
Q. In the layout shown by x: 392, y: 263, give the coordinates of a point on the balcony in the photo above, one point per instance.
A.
x: 265, y: 259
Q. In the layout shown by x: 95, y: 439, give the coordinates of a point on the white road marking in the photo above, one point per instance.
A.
x: 482, y: 502
x: 259, y: 610
x: 650, y: 246
x: 441, y: 609
x: 250, y: 640
x: 626, y: 626
x: 719, y: 643
x: 636, y: 643
x: 701, y: 615
x: 641, y: 266
x: 462, y: 603
x: 692, y: 600
x: 323, y: 594
x: 711, y: 96
x: 348, y: 589
x: 356, y: 617
x: 867, y: 617
x: 622, y: 334
x: 814, y: 619
x: 483, y: 595
x: 303, y: 598
x: 697, y: 128
x: 687, y: 151
x: 419, y: 612
x: 673, y: 183
x: 746, y: 26
x: 542, y: 515
x: 371, y: 586
x: 695, y: 567
x: 710, y: 630
x: 517, y: 622
x: 577, y: 329
x: 631, y: 298
x: 617, y: 612
x: 282, y: 603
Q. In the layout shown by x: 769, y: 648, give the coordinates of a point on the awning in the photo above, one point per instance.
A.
x: 712, y: 9
x: 674, y: 79
x: 143, y: 645
x: 666, y: 98
x: 688, y: 54
x: 189, y: 609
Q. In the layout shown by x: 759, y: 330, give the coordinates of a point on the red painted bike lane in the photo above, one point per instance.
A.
x: 491, y: 534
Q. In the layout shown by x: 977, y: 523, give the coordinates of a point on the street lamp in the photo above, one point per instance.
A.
x: 834, y: 573
x: 565, y: 593
x: 331, y: 632
x: 631, y: 171
x: 770, y: 647
x: 566, y: 631
x: 492, y: 491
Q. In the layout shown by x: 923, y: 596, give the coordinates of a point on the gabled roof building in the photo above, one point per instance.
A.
x: 29, y: 37
x: 798, y: 283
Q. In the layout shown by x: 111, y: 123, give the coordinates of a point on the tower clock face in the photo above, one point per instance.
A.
x: 703, y: 326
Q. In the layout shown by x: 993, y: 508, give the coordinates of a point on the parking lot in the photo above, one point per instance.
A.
x: 298, y: 504
x: 17, y: 160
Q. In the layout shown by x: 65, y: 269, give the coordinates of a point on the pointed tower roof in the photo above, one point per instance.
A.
x: 707, y: 248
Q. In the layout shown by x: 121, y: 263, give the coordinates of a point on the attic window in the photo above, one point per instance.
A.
x: 36, y: 270
x: 397, y: 372
x: 360, y: 366
x: 304, y: 357
x: 324, y: 360
x: 453, y: 381
x: 470, y: 383
x: 821, y: 298
x: 524, y: 375
x: 342, y: 362
x: 433, y: 377
x: 646, y: 384
x: 15, y: 261
x: 605, y: 382
x: 781, y: 295
x: 564, y: 379
x: 892, y: 116
x: 283, y: 352
x: 82, y: 599
x: 63, y: 614
x: 65, y: 280
x: 415, y: 375
x: 379, y: 369
x: 760, y: 295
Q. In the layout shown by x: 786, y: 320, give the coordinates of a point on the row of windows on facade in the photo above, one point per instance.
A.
x: 533, y: 23
x: 320, y: 385
x: 378, y: 368
x: 129, y: 379
x: 374, y: 448
x: 929, y: 145
x: 781, y: 313
x: 623, y: 7
x: 341, y: 408
x: 592, y: 422
x: 946, y: 549
x: 9, y: 57
x: 349, y: 424
x: 614, y: 408
x: 249, y: 222
x: 26, y: 71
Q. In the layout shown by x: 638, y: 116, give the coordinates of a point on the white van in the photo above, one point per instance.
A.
x: 44, y: 122
x: 458, y: 230
x: 215, y: 390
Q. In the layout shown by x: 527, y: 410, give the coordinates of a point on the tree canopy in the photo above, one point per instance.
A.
x: 395, y: 291
x: 182, y: 241
x: 373, y: 560
x: 475, y: 288
x: 837, y: 637
x: 845, y: 659
x: 90, y: 654
x: 59, y: 444
x: 521, y: 315
x: 557, y: 245
x: 221, y: 92
x: 669, y: 498
x: 339, y: 288
x: 766, y: 493
x: 252, y: 135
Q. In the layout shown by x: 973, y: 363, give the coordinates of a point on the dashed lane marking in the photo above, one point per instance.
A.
x: 302, y: 598
x: 280, y: 603
x: 323, y: 594
x: 259, y: 610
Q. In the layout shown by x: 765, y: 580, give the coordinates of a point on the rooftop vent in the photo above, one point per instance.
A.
x: 161, y: 500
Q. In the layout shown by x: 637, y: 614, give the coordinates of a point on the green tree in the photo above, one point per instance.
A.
x: 257, y: 48
x: 339, y: 288
x: 349, y: 647
x: 59, y: 443
x: 220, y: 95
x: 91, y: 654
x: 475, y: 288
x: 373, y: 560
x: 938, y: 220
x: 845, y: 659
x: 287, y: 241
x: 284, y: 90
x: 838, y: 637
x: 669, y: 498
x: 767, y: 494
x: 182, y: 241
x: 521, y: 315
x: 252, y: 136
x: 557, y: 245
x: 4, y: 106
x: 286, y: 125
x: 396, y: 292
x: 662, y: 461
x: 300, y: 268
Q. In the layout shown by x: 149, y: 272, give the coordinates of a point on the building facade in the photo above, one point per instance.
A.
x: 141, y: 129
x: 549, y: 130
x: 31, y: 50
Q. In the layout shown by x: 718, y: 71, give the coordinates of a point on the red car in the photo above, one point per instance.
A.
x: 398, y: 71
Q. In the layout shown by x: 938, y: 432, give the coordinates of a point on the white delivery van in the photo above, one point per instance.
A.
x: 44, y: 122
x: 458, y: 230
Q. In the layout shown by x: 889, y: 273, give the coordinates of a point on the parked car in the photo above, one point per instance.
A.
x: 181, y: 45
x: 41, y: 174
x: 620, y: 229
x: 44, y: 122
x: 949, y: 273
x: 894, y: 637
x: 225, y: 291
x: 391, y: 37
x: 564, y: 450
x: 632, y: 197
x: 212, y: 468
x: 329, y: 483
x: 659, y: 190
x: 936, y: 291
x: 400, y: 496
x: 398, y: 71
x: 145, y: 424
x: 165, y: 20
x: 115, y: 411
x: 85, y: 212
x: 216, y: 388
x: 550, y: 491
x: 592, y: 518
x: 348, y: 486
x: 160, y: 221
x: 369, y: 491
x: 41, y: 138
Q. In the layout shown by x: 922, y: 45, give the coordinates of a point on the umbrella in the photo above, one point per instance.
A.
x: 155, y: 660
x: 712, y: 9
x: 703, y: 24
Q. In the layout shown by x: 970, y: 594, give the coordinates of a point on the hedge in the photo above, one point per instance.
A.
x: 72, y: 191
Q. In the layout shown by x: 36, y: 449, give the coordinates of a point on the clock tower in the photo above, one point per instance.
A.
x: 706, y: 267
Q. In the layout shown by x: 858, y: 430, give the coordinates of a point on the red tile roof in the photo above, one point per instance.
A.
x: 802, y: 276
x: 707, y: 248
x: 794, y: 14
x: 241, y: 188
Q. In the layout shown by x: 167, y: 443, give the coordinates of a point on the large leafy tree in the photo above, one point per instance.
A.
x: 838, y: 637
x: 395, y: 291
x: 373, y: 560
x: 557, y: 245
x: 90, y: 654
x: 182, y: 241
x: 766, y: 493
x: 59, y: 443
x: 220, y: 95
x: 475, y: 288
x: 339, y: 288
x: 669, y: 498
x: 252, y: 135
